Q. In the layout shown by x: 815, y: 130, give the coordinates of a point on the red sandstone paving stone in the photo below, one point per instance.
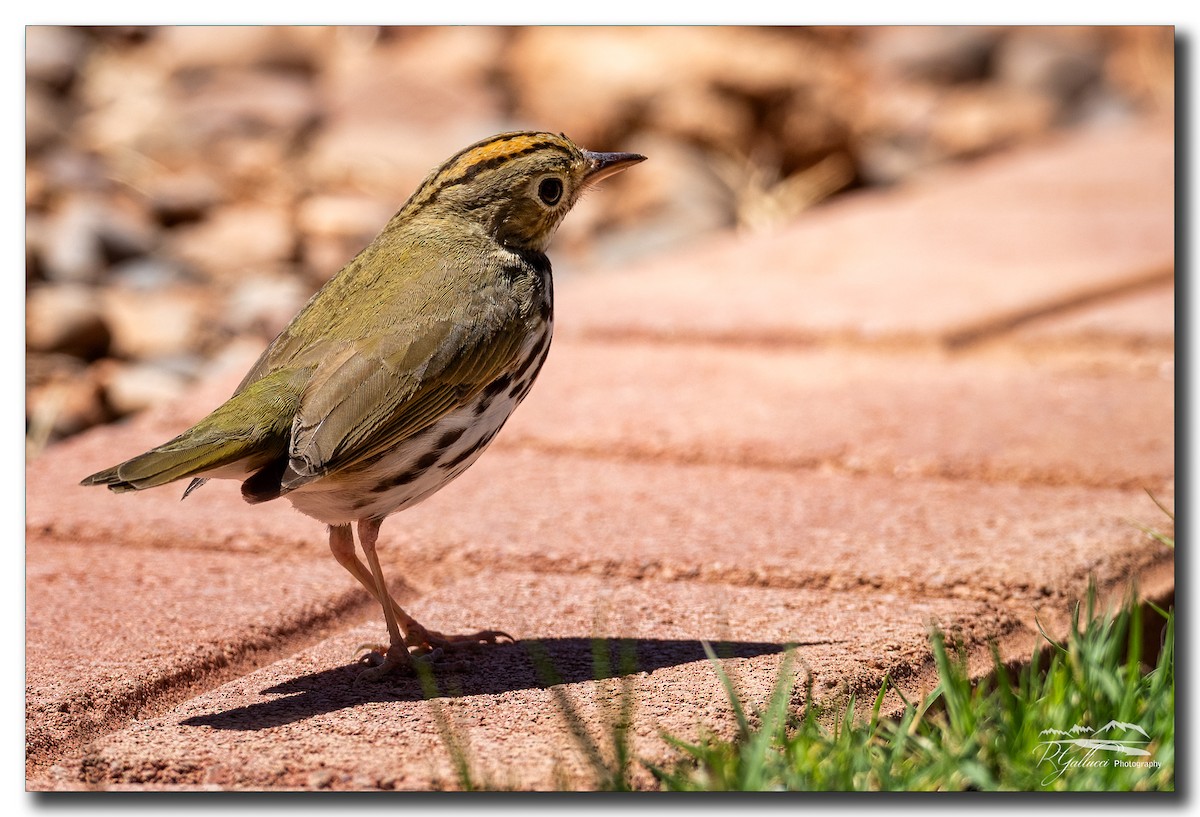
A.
x: 109, y: 627
x: 970, y: 245
x: 300, y: 723
x: 757, y: 526
x: 910, y: 414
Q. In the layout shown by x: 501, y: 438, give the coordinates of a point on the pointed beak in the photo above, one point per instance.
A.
x: 604, y: 165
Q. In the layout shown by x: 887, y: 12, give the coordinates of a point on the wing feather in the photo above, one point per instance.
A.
x: 360, y: 404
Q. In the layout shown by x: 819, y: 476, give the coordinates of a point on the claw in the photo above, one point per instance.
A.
x: 370, y: 654
x: 429, y: 640
x: 373, y: 658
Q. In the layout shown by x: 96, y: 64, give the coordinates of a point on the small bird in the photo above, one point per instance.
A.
x: 398, y: 373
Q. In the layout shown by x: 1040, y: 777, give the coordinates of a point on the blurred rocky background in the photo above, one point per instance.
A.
x: 190, y: 187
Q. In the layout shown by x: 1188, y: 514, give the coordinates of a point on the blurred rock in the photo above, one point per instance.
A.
x: 37, y: 192
x: 979, y: 120
x: 256, y: 168
x: 238, y: 128
x: 247, y: 102
x: 704, y: 115
x: 398, y: 107
x: 62, y: 398
x: 35, y: 239
x: 589, y: 82
x: 72, y: 171
x: 263, y: 305
x: 71, y: 250
x: 450, y: 56
x: 891, y: 132
x: 65, y: 318
x: 53, y: 54
x: 804, y: 138
x: 126, y: 103
x: 1063, y: 65
x: 127, y: 229
x: 235, y: 241
x: 85, y: 232
x: 147, y: 273
x: 181, y: 197
x: 153, y: 324
x: 193, y: 49
x: 1140, y: 66
x: 324, y: 255
x: 129, y: 388
x: 944, y: 55
x: 45, y: 120
x: 911, y: 128
x: 597, y: 81
x: 336, y: 227
x: 353, y: 215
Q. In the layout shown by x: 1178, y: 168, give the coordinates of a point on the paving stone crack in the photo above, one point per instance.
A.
x: 842, y: 464
x: 77, y: 722
x: 972, y: 334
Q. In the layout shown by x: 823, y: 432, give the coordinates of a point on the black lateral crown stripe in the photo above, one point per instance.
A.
x: 481, y: 166
x: 495, y: 161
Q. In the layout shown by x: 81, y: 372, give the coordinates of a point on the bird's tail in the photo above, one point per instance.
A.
x: 239, y: 437
x: 177, y: 459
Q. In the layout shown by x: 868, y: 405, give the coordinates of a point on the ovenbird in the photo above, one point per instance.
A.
x: 401, y: 370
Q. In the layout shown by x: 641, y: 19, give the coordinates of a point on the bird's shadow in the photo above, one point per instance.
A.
x: 486, y: 670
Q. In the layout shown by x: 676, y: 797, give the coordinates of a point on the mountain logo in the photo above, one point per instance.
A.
x: 1062, y: 747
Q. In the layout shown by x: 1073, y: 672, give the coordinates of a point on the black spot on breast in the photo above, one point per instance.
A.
x: 403, y: 478
x: 423, y: 464
x: 537, y: 369
x: 482, y: 407
x: 496, y: 386
x: 523, y: 386
x: 463, y: 456
x: 538, y: 351
x: 449, y: 438
x: 483, y: 442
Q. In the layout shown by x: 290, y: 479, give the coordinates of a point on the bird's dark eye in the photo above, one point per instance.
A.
x: 550, y: 191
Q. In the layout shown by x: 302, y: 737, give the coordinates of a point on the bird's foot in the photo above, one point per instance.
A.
x: 428, y: 647
x: 381, y: 662
x: 429, y: 644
